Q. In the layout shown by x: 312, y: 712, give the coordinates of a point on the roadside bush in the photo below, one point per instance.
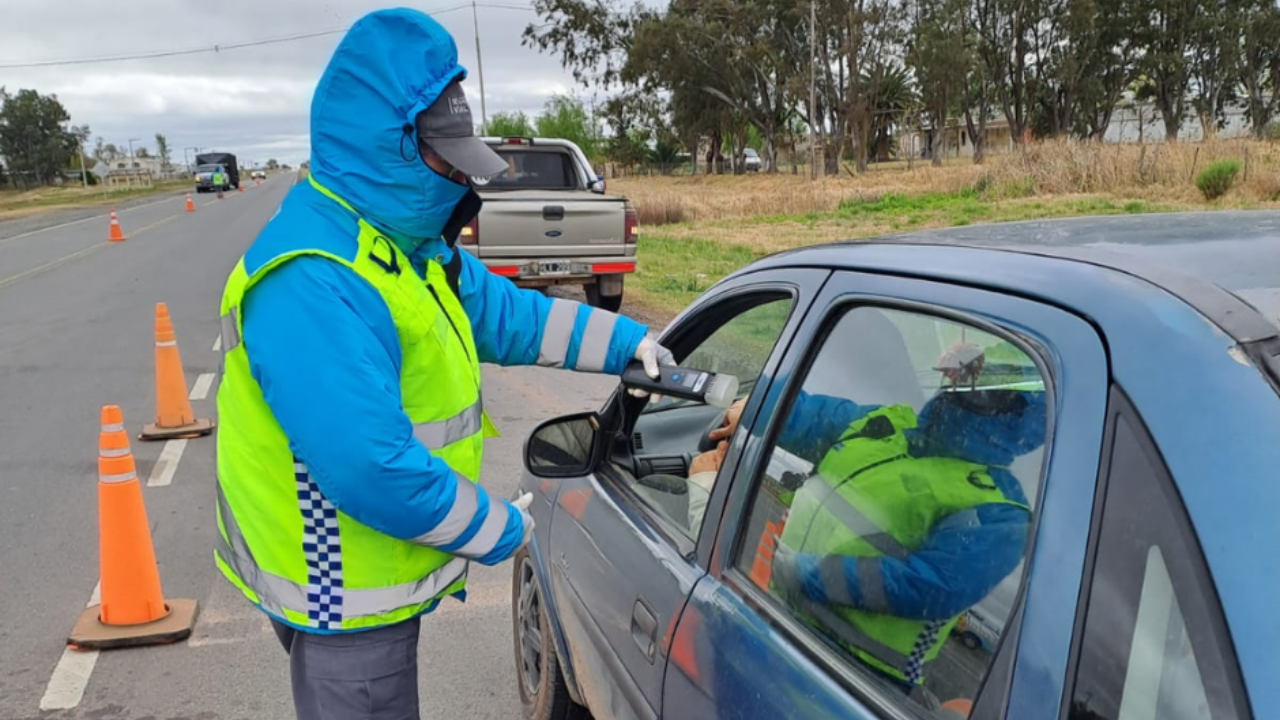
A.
x: 1216, y: 179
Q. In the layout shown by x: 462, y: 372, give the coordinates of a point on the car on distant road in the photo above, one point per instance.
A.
x: 548, y: 221
x: 1148, y: 571
x: 751, y: 160
x: 259, y: 175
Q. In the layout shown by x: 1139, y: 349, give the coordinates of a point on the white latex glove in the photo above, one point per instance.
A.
x: 652, y: 355
x: 522, y: 504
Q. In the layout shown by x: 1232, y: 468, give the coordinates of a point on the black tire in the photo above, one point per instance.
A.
x: 544, y: 694
x: 604, y: 302
x: 971, y: 641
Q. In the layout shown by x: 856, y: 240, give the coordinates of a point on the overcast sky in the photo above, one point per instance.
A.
x: 251, y: 101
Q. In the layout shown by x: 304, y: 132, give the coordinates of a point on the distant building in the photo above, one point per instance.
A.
x: 136, y: 165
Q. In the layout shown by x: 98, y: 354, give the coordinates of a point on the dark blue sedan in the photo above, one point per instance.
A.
x: 1017, y: 471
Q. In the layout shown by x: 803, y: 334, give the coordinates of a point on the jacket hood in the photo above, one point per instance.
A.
x: 390, y: 66
x: 947, y: 429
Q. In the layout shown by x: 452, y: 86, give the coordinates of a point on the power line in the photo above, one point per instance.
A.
x: 229, y: 46
x: 171, y: 53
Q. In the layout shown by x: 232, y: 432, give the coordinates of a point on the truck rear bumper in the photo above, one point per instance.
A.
x: 543, y: 273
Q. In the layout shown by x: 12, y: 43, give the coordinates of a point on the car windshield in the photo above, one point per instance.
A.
x: 533, y: 170
x: 206, y: 168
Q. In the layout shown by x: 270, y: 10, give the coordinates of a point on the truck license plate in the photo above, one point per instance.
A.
x: 553, y: 268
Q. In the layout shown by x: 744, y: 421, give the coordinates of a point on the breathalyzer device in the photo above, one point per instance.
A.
x: 717, y: 390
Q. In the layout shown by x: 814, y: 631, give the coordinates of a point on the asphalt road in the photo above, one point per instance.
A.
x: 76, y: 320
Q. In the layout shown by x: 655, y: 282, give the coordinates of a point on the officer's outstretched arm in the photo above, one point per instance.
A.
x: 523, y: 327
x: 322, y: 346
x: 962, y: 559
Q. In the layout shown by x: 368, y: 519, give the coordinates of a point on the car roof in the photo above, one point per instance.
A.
x: 1224, y: 264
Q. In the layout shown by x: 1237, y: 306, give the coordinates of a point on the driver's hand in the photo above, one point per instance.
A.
x: 731, y: 418
x: 709, y: 461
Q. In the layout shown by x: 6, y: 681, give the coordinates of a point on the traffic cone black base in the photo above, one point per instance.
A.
x: 199, y: 428
x: 90, y: 633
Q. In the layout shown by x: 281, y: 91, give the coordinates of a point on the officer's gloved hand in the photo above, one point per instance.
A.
x: 522, y: 504
x: 652, y: 355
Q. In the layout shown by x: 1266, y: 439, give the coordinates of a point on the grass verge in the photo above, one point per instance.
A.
x: 15, y: 202
x: 677, y: 263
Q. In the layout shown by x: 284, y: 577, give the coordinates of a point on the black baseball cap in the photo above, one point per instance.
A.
x: 446, y: 127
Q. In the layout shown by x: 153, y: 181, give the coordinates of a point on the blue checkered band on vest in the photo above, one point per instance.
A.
x: 323, y: 552
x: 915, y: 661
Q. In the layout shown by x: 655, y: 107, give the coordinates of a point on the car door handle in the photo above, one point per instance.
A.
x: 644, y: 629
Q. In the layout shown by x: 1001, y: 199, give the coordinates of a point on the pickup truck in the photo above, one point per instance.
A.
x: 547, y: 221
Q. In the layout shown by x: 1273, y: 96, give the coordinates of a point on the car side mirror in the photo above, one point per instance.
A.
x: 598, y: 187
x: 565, y: 447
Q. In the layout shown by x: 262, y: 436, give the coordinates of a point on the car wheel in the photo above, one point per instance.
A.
x: 970, y: 641
x: 604, y: 302
x: 544, y: 694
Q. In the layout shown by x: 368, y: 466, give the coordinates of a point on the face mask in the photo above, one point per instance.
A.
x: 464, y: 212
x: 443, y: 197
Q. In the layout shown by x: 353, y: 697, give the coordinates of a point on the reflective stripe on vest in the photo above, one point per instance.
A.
x: 438, y: 434
x: 276, y: 594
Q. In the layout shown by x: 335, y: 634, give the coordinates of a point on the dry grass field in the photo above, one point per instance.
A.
x: 697, y: 229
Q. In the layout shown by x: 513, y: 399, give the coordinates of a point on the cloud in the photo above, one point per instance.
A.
x: 251, y: 101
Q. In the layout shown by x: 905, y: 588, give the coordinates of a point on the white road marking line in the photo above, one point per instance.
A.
x: 167, y: 464
x: 201, y: 389
x: 82, y: 220
x: 217, y: 344
x: 71, y: 675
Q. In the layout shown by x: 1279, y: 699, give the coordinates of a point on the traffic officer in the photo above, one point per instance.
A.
x: 218, y: 179
x: 352, y: 418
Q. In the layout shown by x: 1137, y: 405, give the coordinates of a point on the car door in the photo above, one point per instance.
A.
x: 621, y: 548
x: 745, y: 648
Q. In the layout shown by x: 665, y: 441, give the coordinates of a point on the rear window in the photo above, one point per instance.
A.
x: 533, y: 170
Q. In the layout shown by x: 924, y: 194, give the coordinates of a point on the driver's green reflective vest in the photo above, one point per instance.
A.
x: 871, y: 499
x: 280, y: 541
x: 218, y: 179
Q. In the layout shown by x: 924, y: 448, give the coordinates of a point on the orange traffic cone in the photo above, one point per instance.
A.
x: 174, y: 418
x: 239, y: 188
x: 133, y: 610
x: 191, y: 207
x: 762, y: 564
x: 116, y: 234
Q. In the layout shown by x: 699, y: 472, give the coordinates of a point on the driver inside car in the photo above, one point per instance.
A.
x: 908, y: 520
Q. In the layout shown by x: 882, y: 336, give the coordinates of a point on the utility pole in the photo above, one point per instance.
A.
x: 84, y: 172
x: 813, y: 87
x: 484, y: 115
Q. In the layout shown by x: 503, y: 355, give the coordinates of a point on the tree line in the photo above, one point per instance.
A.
x: 38, y: 146
x: 859, y: 71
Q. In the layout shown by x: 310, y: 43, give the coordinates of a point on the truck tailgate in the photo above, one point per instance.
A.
x: 542, y: 224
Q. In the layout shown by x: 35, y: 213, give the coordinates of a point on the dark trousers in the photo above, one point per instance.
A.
x: 370, y: 675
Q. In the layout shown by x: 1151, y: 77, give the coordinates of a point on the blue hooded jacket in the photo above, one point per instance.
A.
x: 321, y: 341
x: 965, y: 555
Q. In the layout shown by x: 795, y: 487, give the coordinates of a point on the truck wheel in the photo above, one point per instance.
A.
x: 544, y: 694
x: 605, y: 302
